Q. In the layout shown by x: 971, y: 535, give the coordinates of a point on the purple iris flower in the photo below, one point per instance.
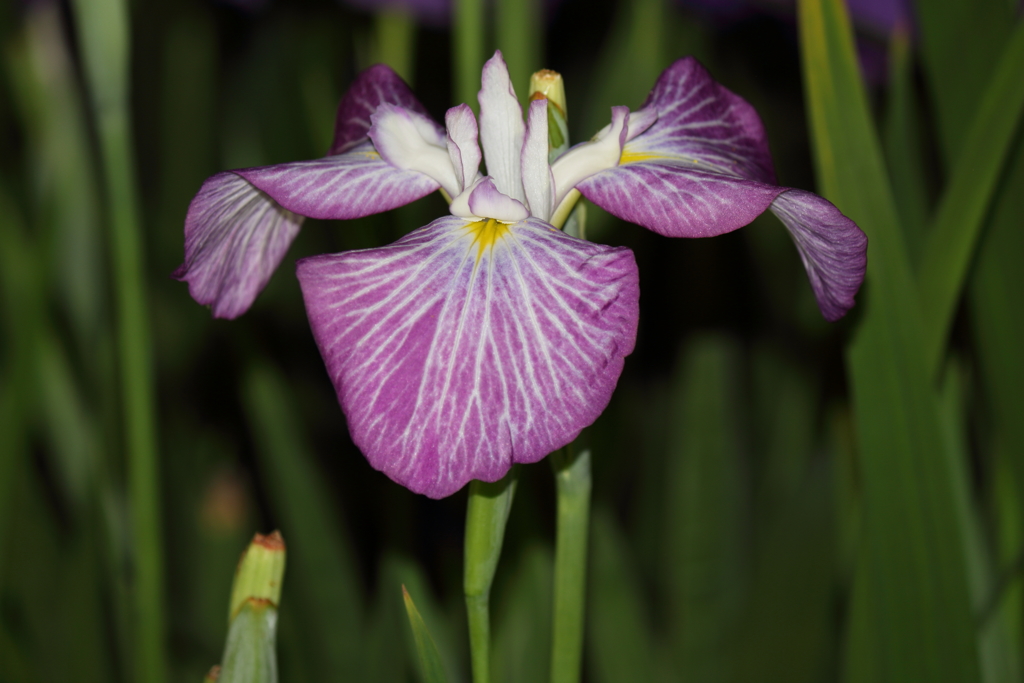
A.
x: 490, y: 337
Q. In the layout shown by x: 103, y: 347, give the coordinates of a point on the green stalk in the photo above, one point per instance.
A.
x: 489, y: 506
x: 572, y: 479
x: 103, y: 36
x: 395, y: 41
x: 469, y: 50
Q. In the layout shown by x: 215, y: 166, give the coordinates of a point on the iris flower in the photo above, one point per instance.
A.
x: 490, y: 337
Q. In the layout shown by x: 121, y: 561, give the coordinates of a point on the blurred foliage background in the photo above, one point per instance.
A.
x: 775, y: 498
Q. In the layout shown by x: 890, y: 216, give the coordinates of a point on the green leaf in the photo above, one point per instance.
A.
x: 522, y: 618
x: 973, y: 181
x: 431, y: 669
x: 996, y: 290
x: 911, y: 616
x: 622, y: 641
x: 960, y: 43
x: 1000, y: 661
x: 451, y: 646
x: 327, y: 590
x: 902, y: 139
x: 704, y: 528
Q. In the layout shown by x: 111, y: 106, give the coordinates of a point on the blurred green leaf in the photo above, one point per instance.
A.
x: 385, y: 661
x: 786, y: 632
x: 784, y: 419
x: 911, y: 592
x: 325, y: 581
x: 973, y: 181
x: 522, y: 618
x: 431, y: 669
x: 996, y: 290
x: 903, y: 141
x: 704, y: 531
x: 961, y: 42
x: 622, y: 642
x: 399, y: 571
x: 999, y: 655
x: 60, y: 164
x: 520, y: 40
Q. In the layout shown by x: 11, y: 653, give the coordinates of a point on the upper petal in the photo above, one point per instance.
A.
x: 463, y: 145
x: 832, y: 247
x: 501, y: 127
x: 702, y: 124
x: 373, y: 87
x: 677, y: 201
x: 413, y: 142
x: 538, y: 181
x: 235, y: 237
x: 351, y: 185
x: 465, y: 347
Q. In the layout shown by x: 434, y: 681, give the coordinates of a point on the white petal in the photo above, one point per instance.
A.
x: 409, y: 140
x: 501, y: 128
x: 586, y: 159
x: 538, y: 182
x: 487, y: 202
x: 463, y: 147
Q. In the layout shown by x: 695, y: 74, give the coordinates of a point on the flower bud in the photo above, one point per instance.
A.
x: 259, y: 573
x: 549, y: 84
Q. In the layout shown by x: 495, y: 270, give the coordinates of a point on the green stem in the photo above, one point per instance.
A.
x: 572, y: 479
x: 489, y: 506
x: 104, y: 39
x: 469, y: 50
x: 395, y: 42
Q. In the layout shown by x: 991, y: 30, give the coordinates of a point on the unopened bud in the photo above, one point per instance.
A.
x: 549, y: 84
x: 259, y: 573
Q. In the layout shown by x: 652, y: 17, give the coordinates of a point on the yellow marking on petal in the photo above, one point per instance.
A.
x: 629, y: 157
x: 633, y: 157
x: 486, y: 234
x: 369, y: 154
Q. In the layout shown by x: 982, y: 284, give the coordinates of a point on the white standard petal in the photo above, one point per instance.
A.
x: 410, y: 141
x: 538, y: 182
x: 501, y: 128
x: 463, y: 146
x: 588, y: 158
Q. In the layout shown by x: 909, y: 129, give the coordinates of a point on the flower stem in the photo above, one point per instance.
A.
x: 469, y: 50
x: 572, y: 480
x: 104, y: 40
x: 489, y: 506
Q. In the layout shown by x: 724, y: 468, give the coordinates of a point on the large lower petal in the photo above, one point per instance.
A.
x: 677, y: 201
x: 351, y: 185
x: 466, y: 347
x: 833, y: 248
x: 235, y: 237
x: 701, y: 123
x: 373, y: 87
